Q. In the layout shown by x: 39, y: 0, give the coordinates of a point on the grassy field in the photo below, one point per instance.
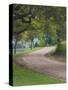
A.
x: 22, y: 76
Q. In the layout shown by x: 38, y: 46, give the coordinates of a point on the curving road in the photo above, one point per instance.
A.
x: 37, y: 61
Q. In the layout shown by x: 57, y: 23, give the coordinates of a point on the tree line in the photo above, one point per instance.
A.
x: 48, y: 23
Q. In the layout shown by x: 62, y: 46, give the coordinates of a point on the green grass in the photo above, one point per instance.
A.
x: 22, y: 52
x: 61, y: 49
x: 22, y: 76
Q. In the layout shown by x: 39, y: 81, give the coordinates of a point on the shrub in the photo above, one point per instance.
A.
x: 61, y: 49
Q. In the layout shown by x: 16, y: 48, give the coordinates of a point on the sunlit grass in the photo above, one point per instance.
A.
x: 21, y: 52
x: 22, y: 76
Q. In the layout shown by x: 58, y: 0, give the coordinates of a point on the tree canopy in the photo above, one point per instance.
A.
x: 34, y: 20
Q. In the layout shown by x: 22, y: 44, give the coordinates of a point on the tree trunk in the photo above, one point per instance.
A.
x: 15, y: 46
x: 58, y: 38
x: 31, y: 44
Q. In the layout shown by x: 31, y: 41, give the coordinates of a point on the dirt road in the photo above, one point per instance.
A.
x: 42, y: 64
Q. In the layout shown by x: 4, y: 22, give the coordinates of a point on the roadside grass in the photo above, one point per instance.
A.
x: 25, y: 51
x: 22, y: 76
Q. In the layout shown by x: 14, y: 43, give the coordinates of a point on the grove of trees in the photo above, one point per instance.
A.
x: 47, y: 23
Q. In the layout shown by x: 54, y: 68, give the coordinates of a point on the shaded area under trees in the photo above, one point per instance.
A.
x: 47, y: 23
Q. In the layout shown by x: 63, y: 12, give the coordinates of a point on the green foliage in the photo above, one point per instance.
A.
x: 61, y: 49
x: 37, y: 23
x: 22, y: 76
x: 42, y: 43
x: 33, y: 21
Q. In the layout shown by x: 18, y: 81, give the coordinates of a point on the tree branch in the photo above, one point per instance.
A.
x: 23, y: 16
x: 19, y: 32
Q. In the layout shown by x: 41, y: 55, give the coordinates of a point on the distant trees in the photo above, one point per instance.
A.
x: 48, y: 23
